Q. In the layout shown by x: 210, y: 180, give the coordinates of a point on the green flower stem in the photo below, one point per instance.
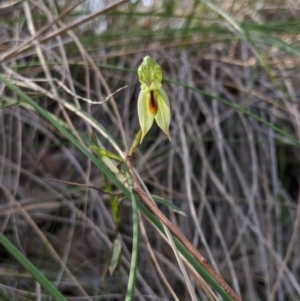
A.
x: 135, y: 243
x: 135, y: 143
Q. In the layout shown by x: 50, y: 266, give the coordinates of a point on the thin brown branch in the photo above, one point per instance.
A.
x: 118, y: 193
x: 178, y: 234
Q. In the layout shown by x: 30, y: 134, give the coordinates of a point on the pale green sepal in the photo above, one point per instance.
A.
x: 144, y: 86
x: 150, y: 74
x: 145, y: 117
x: 155, y: 85
x: 163, y: 115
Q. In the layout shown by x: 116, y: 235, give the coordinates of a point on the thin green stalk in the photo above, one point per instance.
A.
x: 135, y: 143
x: 115, y: 180
x: 135, y: 238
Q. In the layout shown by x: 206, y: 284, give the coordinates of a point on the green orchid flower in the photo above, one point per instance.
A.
x: 153, y: 102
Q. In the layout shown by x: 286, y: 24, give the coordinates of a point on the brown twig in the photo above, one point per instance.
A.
x: 118, y: 193
x: 178, y: 234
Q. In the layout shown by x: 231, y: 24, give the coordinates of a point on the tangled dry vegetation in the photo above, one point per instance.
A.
x: 233, y: 164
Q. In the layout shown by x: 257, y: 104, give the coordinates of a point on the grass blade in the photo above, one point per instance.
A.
x: 31, y: 269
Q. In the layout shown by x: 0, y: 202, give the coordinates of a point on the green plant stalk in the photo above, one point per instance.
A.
x: 112, y: 199
x: 114, y: 206
x: 135, y: 239
x: 31, y: 269
x: 113, y: 203
x: 112, y: 177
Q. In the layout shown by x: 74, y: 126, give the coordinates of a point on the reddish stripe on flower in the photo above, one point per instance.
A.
x: 152, y: 102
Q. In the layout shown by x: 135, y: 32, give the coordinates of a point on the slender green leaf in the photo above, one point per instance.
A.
x: 165, y: 202
x: 106, y: 153
x: 31, y: 269
x: 115, y: 257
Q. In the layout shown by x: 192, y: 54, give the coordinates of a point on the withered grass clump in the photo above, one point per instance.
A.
x: 231, y: 73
